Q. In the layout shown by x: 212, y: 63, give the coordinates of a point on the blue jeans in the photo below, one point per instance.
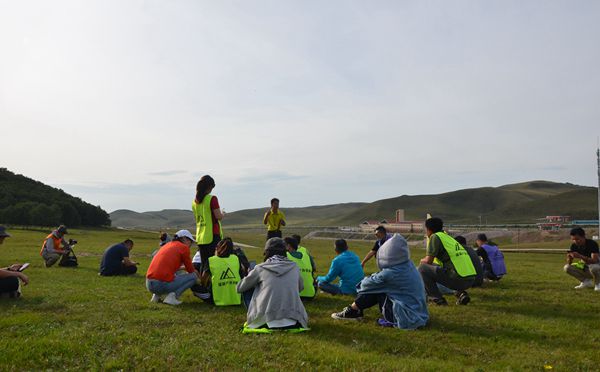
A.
x: 333, y: 289
x: 178, y: 285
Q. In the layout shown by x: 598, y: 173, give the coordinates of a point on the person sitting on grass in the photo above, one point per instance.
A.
x: 115, y: 260
x: 10, y: 276
x: 55, y: 247
x: 277, y: 284
x: 587, y: 268
x: 161, y: 278
x: 301, y: 249
x: 219, y: 284
x: 382, y: 235
x: 447, y: 263
x: 346, y: 265
x: 307, y: 268
x: 397, y: 289
x: 493, y: 260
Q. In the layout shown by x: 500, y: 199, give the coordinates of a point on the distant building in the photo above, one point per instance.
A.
x: 553, y: 222
x: 399, y: 225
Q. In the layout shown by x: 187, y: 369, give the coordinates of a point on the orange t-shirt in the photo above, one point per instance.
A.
x: 168, y: 260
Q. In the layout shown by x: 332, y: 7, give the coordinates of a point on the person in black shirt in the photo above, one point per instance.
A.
x: 10, y: 276
x: 115, y: 260
x: 382, y: 237
x: 583, y: 262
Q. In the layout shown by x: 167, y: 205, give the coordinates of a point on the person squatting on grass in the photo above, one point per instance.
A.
x: 162, y: 278
x: 476, y: 263
x: 306, y: 264
x: 55, y: 247
x: 494, y: 267
x: 115, y: 260
x: 382, y: 236
x: 208, y: 215
x: 276, y: 282
x: 347, y: 266
x: 10, y: 276
x: 225, y: 270
x: 587, y: 267
x: 397, y: 289
x: 274, y: 219
x: 447, y: 263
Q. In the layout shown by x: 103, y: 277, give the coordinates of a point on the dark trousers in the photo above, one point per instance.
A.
x: 123, y: 270
x: 207, y: 251
x: 367, y: 300
x: 274, y: 234
x: 433, y: 274
x: 9, y: 285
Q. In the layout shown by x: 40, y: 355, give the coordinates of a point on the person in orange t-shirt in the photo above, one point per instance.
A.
x: 161, y: 278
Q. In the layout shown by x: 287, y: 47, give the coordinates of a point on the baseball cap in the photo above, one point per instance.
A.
x: 186, y: 234
x: 62, y: 229
x: 3, y: 232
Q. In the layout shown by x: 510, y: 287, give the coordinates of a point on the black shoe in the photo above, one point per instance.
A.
x: 462, y: 298
x: 439, y: 301
x: 348, y: 314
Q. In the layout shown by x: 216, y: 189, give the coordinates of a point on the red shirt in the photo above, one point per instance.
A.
x: 214, y: 204
x: 168, y: 260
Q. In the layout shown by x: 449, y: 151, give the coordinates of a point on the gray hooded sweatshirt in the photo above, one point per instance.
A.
x: 277, y: 287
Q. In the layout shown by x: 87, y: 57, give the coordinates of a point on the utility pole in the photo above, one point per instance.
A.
x: 598, y: 157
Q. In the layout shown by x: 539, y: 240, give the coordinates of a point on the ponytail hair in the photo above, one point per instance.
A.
x: 203, y: 187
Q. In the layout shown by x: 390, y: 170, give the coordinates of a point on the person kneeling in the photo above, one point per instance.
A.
x: 115, y: 260
x: 493, y: 260
x: 277, y: 283
x: 161, y: 278
x: 397, y: 289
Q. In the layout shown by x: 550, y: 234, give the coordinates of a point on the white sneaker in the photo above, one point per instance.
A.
x: 585, y: 284
x: 597, y: 287
x: 172, y: 300
x: 155, y: 298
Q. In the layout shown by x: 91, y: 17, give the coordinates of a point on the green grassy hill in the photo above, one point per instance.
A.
x: 522, y: 202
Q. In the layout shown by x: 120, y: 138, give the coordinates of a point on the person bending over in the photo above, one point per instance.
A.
x: 306, y: 264
x: 115, y: 260
x: 397, y: 289
x: 347, y: 266
x: 382, y: 236
x: 583, y: 262
x: 277, y: 284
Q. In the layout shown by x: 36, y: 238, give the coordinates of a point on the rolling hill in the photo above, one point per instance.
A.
x: 522, y: 202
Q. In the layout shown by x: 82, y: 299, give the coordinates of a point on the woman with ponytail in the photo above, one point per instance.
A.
x: 208, y: 220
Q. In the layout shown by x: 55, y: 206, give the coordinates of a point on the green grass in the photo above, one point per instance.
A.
x: 73, y: 319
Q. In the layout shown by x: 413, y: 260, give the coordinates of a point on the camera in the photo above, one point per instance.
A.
x: 72, y: 241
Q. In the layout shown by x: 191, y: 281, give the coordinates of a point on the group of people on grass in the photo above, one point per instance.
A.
x: 273, y: 291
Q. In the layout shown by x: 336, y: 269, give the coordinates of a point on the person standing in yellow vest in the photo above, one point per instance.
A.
x: 306, y: 264
x: 208, y: 215
x: 274, y: 219
x: 447, y: 263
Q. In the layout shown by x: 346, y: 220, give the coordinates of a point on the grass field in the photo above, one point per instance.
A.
x: 73, y: 319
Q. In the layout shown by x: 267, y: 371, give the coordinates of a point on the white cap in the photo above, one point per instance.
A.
x: 186, y: 234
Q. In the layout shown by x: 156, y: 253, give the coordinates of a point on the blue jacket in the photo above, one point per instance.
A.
x: 403, y: 285
x: 347, y: 266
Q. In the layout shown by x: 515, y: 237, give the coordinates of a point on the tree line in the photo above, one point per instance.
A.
x: 24, y: 201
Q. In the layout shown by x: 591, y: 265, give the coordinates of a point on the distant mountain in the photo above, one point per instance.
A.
x: 522, y: 202
x: 24, y: 201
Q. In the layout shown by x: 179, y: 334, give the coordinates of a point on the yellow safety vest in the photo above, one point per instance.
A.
x: 225, y: 276
x: 306, y: 274
x: 302, y: 250
x: 458, y: 255
x: 204, y: 222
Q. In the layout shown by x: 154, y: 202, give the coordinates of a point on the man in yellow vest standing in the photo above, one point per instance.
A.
x: 447, y: 263
x: 274, y: 219
x: 306, y: 264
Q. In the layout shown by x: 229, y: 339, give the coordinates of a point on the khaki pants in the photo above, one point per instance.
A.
x: 590, y: 272
x: 51, y: 258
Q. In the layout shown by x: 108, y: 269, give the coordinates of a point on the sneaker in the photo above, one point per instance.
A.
x: 597, y: 287
x: 348, y: 314
x: 585, y: 284
x: 384, y: 323
x: 462, y: 298
x: 172, y: 300
x: 155, y: 298
x: 438, y: 301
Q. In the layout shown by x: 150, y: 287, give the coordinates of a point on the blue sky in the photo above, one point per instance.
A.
x: 127, y: 103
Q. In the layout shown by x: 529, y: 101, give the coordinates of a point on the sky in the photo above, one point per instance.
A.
x: 126, y: 104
